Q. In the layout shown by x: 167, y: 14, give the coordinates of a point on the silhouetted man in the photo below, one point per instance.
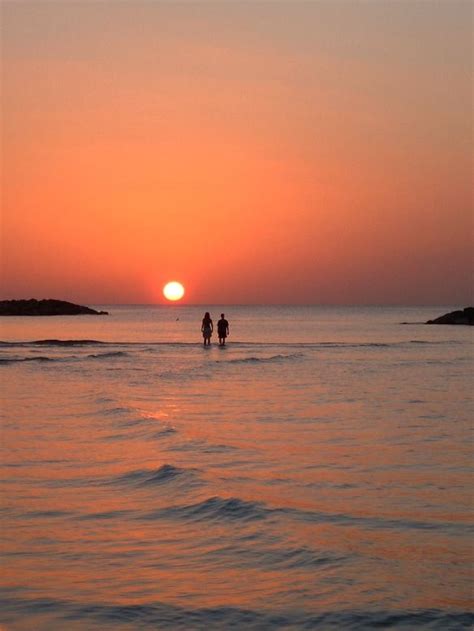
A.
x: 222, y: 330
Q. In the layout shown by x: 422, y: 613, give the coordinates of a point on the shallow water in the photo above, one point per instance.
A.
x: 315, y: 473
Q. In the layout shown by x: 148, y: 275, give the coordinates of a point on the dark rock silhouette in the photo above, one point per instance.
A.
x: 466, y: 316
x: 48, y: 307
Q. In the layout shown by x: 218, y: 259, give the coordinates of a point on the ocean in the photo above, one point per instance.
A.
x: 313, y: 474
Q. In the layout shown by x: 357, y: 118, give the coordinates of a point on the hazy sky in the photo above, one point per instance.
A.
x: 280, y: 152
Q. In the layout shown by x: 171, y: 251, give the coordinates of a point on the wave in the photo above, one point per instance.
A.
x: 374, y: 523
x: 166, y: 615
x: 254, y: 360
x: 44, y: 358
x: 127, y: 436
x: 15, y: 360
x: 53, y: 342
x: 46, y: 514
x: 214, y: 509
x: 204, y: 446
x: 434, y: 342
x: 108, y: 355
x: 164, y: 475
x: 273, y: 558
x: 113, y: 514
x: 120, y: 411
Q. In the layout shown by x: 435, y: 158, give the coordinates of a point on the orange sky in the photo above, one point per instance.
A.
x: 258, y: 152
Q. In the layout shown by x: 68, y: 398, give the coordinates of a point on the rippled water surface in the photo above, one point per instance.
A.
x: 315, y: 473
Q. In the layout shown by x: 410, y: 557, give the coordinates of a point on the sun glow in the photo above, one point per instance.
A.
x: 173, y: 291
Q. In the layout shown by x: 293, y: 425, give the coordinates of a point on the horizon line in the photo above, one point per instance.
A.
x: 182, y: 304
x: 263, y: 304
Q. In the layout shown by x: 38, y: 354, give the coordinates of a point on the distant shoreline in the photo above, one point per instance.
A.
x: 45, y: 307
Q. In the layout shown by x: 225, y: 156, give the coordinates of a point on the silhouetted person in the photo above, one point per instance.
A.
x: 207, y: 328
x: 222, y: 329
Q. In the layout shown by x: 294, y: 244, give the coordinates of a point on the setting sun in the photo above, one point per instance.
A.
x: 173, y: 291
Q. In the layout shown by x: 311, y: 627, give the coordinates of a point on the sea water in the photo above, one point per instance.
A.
x: 314, y: 473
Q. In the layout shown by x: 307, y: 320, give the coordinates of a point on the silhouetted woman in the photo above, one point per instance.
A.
x: 207, y: 328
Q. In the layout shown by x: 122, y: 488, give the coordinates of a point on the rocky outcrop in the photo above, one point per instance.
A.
x: 466, y: 316
x: 48, y: 307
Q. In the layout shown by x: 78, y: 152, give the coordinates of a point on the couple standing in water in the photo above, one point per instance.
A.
x: 207, y: 328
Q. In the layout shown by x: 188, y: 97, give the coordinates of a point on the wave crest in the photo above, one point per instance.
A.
x: 16, y: 360
x: 108, y: 355
x: 165, y: 474
x: 215, y: 509
x: 272, y: 358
